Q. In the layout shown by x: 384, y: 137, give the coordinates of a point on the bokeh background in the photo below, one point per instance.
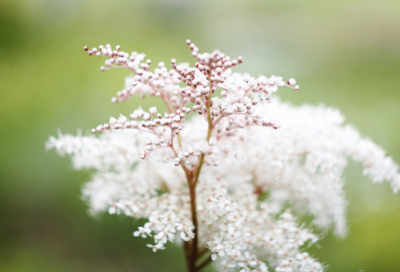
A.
x: 343, y: 53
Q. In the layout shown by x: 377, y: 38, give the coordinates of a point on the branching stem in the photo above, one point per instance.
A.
x: 191, y: 248
x: 192, y: 186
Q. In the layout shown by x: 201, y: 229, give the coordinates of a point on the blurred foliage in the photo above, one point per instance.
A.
x: 343, y: 53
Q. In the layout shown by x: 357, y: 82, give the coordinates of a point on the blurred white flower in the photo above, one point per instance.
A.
x: 239, y: 163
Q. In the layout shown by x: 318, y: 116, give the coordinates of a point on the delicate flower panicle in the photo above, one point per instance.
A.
x: 221, y: 182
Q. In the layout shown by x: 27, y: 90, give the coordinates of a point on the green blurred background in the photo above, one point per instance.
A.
x: 343, y: 53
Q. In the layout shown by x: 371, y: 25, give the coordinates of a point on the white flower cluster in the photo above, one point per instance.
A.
x: 221, y: 183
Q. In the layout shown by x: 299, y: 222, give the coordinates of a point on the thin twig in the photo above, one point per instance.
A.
x: 203, y: 264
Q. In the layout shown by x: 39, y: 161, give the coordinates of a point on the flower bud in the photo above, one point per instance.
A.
x: 291, y: 81
x: 153, y: 111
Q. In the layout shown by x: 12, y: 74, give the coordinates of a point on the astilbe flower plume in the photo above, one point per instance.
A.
x: 220, y: 183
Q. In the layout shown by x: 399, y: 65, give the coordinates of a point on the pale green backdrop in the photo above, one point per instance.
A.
x: 343, y: 53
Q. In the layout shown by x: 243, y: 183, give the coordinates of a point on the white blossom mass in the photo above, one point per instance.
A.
x: 224, y: 170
